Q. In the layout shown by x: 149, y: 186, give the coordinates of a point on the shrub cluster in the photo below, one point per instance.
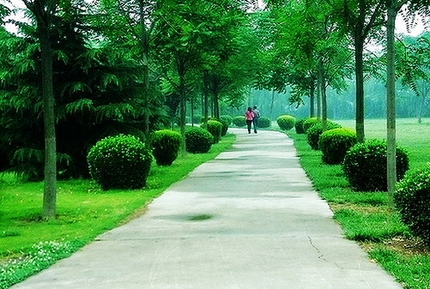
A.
x: 198, y: 140
x: 286, y: 122
x: 119, y: 162
x: 299, y: 126
x: 215, y: 128
x: 226, y: 122
x: 264, y: 122
x: 365, y: 165
x: 239, y: 121
x: 335, y: 143
x: 412, y: 199
x: 316, y: 130
x: 165, y: 146
x: 308, y: 122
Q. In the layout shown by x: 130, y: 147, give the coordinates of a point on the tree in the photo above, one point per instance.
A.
x: 359, y: 18
x: 43, y: 12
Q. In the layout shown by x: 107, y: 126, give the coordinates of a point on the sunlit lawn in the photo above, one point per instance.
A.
x: 365, y: 216
x: 84, y: 210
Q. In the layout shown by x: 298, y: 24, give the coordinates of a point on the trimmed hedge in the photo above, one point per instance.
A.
x: 198, y: 140
x: 308, y: 122
x: 335, y: 143
x: 365, y: 165
x: 119, y: 162
x: 286, y: 122
x: 239, y: 121
x: 316, y: 130
x: 165, y: 146
x: 264, y: 122
x: 412, y: 199
x: 226, y: 121
x: 215, y: 128
x: 299, y: 126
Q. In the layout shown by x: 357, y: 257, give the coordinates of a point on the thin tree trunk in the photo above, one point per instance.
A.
x: 312, y: 99
x: 182, y: 105
x: 391, y: 104
x: 359, y: 83
x: 50, y: 181
x: 205, y: 96
x: 144, y: 42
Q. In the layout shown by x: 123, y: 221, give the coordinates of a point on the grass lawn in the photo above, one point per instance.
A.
x: 84, y: 211
x: 365, y: 216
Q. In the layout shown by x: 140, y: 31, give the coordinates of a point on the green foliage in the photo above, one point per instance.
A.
x: 335, y: 143
x: 198, y: 140
x: 314, y: 132
x: 119, y: 162
x: 412, y: 199
x: 308, y: 122
x: 286, y: 122
x: 225, y: 120
x: 239, y: 121
x: 215, y: 128
x: 264, y: 122
x: 39, y: 257
x: 365, y: 165
x: 299, y: 126
x: 165, y: 146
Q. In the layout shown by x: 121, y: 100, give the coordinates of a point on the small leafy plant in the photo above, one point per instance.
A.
x: 299, y: 126
x: 286, y: 122
x: 198, y: 140
x: 165, y: 146
x: 239, y: 121
x: 264, y: 122
x: 316, y: 130
x: 365, y: 165
x: 412, y: 199
x: 335, y: 143
x: 119, y: 162
x: 215, y: 128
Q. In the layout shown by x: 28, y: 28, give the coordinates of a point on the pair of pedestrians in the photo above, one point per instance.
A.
x: 251, y: 117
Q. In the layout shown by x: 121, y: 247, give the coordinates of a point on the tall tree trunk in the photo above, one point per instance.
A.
x: 312, y: 99
x: 205, y: 96
x: 359, y: 84
x: 50, y: 181
x: 182, y: 105
x: 216, y: 105
x: 144, y: 42
x: 391, y: 102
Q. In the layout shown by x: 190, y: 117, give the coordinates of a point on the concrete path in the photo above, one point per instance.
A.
x: 248, y: 219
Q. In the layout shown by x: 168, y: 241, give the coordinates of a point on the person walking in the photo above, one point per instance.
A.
x: 256, y: 117
x: 249, y: 117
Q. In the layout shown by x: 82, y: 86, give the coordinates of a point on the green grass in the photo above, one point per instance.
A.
x: 366, y: 216
x: 84, y: 211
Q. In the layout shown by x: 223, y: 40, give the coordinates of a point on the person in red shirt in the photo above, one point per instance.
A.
x: 249, y: 117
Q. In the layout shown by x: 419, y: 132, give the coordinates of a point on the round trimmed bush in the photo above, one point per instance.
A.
x: 165, y: 146
x: 198, y: 140
x: 228, y: 119
x: 119, y: 162
x: 316, y: 130
x: 226, y: 122
x: 286, y: 122
x: 299, y: 126
x: 239, y: 121
x: 412, y: 199
x: 264, y: 122
x: 365, y: 165
x: 215, y: 128
x: 310, y: 121
x: 335, y: 143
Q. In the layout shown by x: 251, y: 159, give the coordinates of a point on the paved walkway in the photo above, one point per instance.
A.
x: 248, y: 219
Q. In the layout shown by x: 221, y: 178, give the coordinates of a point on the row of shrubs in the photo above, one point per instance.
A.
x: 365, y: 167
x: 123, y: 161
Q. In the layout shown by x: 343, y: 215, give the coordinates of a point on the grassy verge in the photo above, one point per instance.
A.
x: 365, y: 216
x: 28, y: 244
